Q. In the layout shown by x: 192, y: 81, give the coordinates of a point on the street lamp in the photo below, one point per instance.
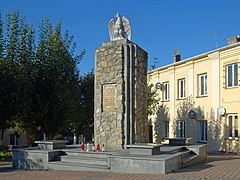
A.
x: 158, y: 85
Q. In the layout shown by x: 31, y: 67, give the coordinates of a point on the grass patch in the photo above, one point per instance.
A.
x: 5, y: 157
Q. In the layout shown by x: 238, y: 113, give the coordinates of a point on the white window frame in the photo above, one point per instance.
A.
x: 202, y: 131
x: 202, y: 84
x: 233, y: 76
x: 233, y: 134
x: 166, y: 91
x: 181, y: 89
x: 181, y: 128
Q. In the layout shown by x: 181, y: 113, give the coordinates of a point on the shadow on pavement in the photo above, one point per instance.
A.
x: 208, y: 163
x: 6, y: 168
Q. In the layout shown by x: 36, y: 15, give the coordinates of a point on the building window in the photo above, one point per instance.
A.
x: 166, y: 129
x: 232, y: 75
x: 232, y: 124
x: 202, y: 131
x: 166, y: 91
x: 181, y: 88
x: 181, y: 129
x: 202, y: 80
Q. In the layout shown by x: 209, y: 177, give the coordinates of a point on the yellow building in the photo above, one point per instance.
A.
x: 199, y: 98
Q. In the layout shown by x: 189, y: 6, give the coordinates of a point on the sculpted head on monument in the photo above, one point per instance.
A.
x: 119, y: 28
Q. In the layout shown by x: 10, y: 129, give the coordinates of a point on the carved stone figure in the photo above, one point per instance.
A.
x: 119, y: 29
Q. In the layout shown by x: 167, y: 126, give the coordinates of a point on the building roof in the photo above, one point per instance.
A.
x: 196, y: 57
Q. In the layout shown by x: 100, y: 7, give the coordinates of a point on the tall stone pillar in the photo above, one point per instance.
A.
x: 120, y: 106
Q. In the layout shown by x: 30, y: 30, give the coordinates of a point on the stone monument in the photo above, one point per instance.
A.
x: 120, y: 120
x: 120, y: 106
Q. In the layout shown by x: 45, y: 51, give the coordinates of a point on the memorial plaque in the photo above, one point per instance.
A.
x: 109, y: 97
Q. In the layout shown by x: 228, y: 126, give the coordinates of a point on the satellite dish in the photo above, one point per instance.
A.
x: 221, y: 111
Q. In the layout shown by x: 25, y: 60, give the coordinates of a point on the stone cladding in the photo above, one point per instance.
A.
x: 120, y: 102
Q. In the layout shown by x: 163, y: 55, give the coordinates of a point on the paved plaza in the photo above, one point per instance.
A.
x: 217, y: 166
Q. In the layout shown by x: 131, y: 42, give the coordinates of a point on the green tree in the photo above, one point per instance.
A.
x: 1, y: 39
x: 84, y: 105
x: 25, y: 79
x: 56, y: 75
x: 8, y: 71
x: 13, y: 37
x: 2, y: 122
x: 39, y: 85
x: 45, y: 29
x: 87, y: 100
x: 153, y: 99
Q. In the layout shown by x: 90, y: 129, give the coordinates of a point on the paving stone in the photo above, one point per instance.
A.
x: 221, y: 167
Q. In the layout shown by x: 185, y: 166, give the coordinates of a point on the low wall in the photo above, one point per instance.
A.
x: 200, y: 150
x: 34, y: 158
x: 136, y: 165
x: 144, y: 165
x: 157, y: 164
x: 51, y: 144
x: 38, y: 159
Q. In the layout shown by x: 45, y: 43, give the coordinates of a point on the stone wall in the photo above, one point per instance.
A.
x: 120, y: 116
x: 142, y: 128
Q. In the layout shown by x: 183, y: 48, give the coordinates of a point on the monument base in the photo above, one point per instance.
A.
x: 51, y: 144
x: 119, y: 161
x: 144, y: 149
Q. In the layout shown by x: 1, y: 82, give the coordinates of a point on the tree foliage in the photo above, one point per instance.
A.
x: 40, y: 83
x: 8, y: 69
x: 87, y: 100
x: 153, y: 99
x: 83, y: 116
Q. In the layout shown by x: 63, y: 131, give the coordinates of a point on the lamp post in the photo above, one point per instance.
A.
x: 158, y: 85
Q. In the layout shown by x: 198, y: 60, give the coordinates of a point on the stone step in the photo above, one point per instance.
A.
x: 186, y: 153
x: 172, y: 149
x: 72, y: 166
x: 79, y: 153
x: 85, y: 159
x: 190, y: 159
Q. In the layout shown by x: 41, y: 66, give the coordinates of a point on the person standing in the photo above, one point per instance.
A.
x: 39, y: 136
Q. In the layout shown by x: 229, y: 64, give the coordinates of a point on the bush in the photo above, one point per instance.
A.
x: 5, y: 156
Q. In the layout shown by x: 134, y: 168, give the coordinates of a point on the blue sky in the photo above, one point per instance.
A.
x: 158, y: 26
